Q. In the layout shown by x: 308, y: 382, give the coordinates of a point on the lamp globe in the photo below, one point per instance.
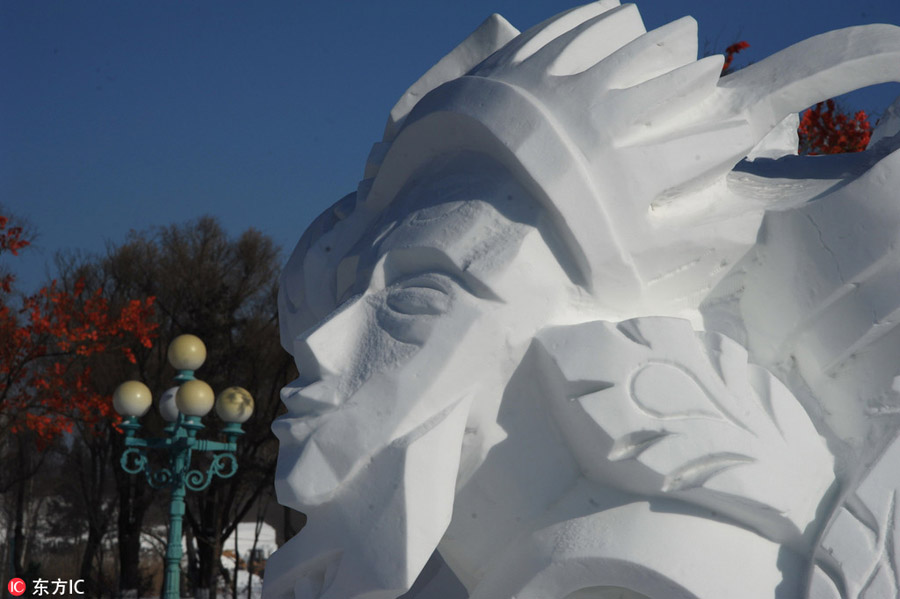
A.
x: 132, y: 398
x: 194, y: 398
x: 234, y: 404
x: 168, y: 409
x: 186, y: 352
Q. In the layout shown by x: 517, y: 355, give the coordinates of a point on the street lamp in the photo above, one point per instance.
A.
x: 182, y: 406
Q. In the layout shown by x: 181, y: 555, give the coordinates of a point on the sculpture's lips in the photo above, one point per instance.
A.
x: 312, y: 400
x: 292, y: 431
x: 306, y: 406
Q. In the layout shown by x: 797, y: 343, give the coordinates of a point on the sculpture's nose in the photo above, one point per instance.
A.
x: 328, y: 348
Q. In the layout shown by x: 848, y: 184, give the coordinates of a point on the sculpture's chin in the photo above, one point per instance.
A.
x: 373, y: 537
x: 316, y: 480
x: 303, y: 479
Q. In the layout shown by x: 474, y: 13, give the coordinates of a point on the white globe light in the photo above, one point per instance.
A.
x: 168, y: 409
x: 186, y: 352
x: 132, y: 398
x: 194, y: 398
x: 234, y: 404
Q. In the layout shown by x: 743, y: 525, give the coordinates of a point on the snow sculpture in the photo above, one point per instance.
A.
x: 589, y: 328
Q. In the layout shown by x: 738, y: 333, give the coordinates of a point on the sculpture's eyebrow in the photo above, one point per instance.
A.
x: 405, y: 262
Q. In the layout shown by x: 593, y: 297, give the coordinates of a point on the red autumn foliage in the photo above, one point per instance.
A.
x: 730, y: 53
x: 10, y: 241
x: 45, y: 382
x: 825, y: 129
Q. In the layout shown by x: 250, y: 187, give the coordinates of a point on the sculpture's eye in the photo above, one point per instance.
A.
x: 410, y: 305
x: 418, y: 300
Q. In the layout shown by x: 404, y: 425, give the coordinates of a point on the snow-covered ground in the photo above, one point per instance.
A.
x: 154, y: 539
x: 245, y: 533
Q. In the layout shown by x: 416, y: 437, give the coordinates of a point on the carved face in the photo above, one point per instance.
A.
x: 450, y: 289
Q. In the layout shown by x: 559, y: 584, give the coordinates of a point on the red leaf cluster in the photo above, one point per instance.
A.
x: 825, y: 129
x: 45, y: 381
x: 730, y: 53
x: 10, y: 241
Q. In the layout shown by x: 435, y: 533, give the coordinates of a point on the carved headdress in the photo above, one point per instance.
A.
x: 622, y: 135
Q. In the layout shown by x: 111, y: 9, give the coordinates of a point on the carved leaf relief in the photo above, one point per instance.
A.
x: 857, y: 556
x: 683, y: 413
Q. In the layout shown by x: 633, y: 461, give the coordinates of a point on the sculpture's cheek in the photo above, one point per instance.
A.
x: 413, y: 330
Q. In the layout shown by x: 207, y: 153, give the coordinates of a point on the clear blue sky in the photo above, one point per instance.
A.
x: 118, y: 115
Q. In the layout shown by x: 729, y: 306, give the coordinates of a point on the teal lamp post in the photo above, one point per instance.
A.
x: 182, y: 406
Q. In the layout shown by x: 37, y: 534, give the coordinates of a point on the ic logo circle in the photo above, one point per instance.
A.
x: 16, y: 587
